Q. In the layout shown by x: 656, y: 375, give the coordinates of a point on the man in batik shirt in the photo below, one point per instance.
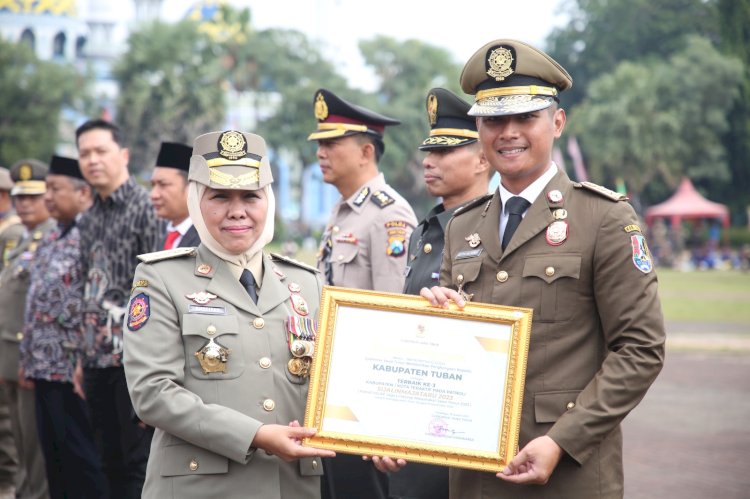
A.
x: 52, y: 346
x: 120, y: 225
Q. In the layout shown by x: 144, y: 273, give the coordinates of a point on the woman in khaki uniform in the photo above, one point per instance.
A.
x: 218, y: 342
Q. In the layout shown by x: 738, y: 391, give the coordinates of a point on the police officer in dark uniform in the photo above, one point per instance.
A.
x: 456, y: 171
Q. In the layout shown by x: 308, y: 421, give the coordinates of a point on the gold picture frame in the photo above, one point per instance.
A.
x: 394, y: 376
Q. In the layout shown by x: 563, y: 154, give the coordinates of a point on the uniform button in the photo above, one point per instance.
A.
x: 502, y: 276
x: 269, y: 405
x: 460, y: 279
x: 211, y: 330
x: 259, y: 322
x: 570, y: 405
x: 315, y: 463
x: 19, y: 336
x: 427, y: 248
x: 341, y: 257
x: 265, y: 362
x: 335, y: 229
x: 193, y: 465
x: 550, y: 271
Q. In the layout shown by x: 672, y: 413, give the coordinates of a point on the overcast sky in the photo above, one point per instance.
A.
x: 339, y: 24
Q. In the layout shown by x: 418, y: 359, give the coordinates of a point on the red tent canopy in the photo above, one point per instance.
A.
x: 686, y: 203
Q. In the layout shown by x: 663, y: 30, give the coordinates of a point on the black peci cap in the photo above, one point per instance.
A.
x: 60, y: 165
x: 174, y: 155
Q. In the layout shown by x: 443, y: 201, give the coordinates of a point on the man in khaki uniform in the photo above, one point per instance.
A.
x: 28, y: 199
x: 11, y: 231
x: 364, y: 243
x: 11, y: 228
x: 214, y: 361
x: 573, y: 252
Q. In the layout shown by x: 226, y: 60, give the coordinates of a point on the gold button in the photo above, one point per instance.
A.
x: 193, y: 465
x: 269, y: 405
x: 341, y: 257
x: 19, y: 336
x: 427, y: 248
x: 502, y: 276
x: 570, y: 405
x: 315, y: 463
x: 259, y: 322
x: 335, y: 229
x: 265, y: 362
x: 211, y: 329
x: 550, y: 271
x: 460, y: 278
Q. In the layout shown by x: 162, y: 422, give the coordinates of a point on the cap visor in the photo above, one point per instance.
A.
x: 509, y: 105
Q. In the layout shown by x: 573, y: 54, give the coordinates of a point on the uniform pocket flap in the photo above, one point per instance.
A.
x: 311, y: 466
x: 211, y: 326
x: 187, y: 459
x: 466, y: 272
x: 552, y: 267
x: 549, y: 406
x: 344, y: 253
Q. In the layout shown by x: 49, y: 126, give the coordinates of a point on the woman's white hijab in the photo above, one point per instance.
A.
x: 252, y: 259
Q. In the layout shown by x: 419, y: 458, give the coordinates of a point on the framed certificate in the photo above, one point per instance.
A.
x: 394, y: 376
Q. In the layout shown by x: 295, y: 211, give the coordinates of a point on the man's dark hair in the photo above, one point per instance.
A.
x: 377, y: 143
x: 99, y: 124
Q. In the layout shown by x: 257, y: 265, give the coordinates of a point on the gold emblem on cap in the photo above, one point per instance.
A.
x: 232, y: 145
x: 432, y: 108
x: 321, y: 108
x: 500, y: 61
x: 24, y: 173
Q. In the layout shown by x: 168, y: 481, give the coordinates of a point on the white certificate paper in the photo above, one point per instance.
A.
x: 394, y: 376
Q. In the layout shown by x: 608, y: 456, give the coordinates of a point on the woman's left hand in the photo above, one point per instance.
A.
x: 286, y: 442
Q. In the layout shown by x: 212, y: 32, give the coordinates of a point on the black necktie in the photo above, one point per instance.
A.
x: 248, y: 281
x: 515, y: 208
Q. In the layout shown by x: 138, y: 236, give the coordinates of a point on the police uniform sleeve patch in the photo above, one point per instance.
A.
x: 382, y: 199
x: 139, y: 311
x: 641, y: 254
x: 396, y: 230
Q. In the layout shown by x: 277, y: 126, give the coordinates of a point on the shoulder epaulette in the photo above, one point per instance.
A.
x: 158, y: 256
x: 382, y: 199
x: 296, y: 263
x: 472, y: 204
x: 602, y: 191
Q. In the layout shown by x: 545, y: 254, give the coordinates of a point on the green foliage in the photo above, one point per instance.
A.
x: 171, y: 88
x: 734, y: 18
x: 32, y: 95
x: 406, y: 72
x: 601, y: 34
x: 653, y: 121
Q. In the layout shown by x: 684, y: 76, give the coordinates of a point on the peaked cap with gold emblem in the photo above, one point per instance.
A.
x: 29, y: 176
x: 339, y: 118
x: 450, y: 126
x: 230, y: 160
x: 511, y: 77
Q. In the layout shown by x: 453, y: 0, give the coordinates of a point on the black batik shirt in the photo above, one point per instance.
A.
x: 114, y: 231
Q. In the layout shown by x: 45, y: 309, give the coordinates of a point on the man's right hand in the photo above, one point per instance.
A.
x: 439, y: 296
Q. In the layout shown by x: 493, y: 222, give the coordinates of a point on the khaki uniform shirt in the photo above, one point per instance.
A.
x: 14, y: 283
x: 11, y: 231
x: 364, y: 244
x: 597, y: 338
x: 205, y: 422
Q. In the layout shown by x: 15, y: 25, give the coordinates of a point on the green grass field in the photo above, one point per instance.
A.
x: 711, y: 296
